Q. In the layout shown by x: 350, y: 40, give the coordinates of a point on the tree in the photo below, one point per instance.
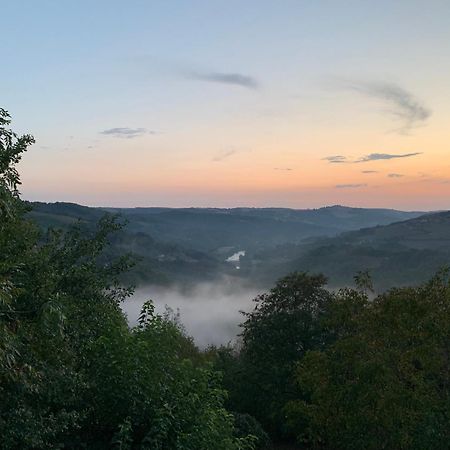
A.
x: 11, y: 148
x: 284, y: 325
x: 385, y: 382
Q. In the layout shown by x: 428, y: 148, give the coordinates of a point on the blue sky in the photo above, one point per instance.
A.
x: 227, y: 94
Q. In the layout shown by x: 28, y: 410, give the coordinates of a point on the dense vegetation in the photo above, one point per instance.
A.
x: 313, y: 369
x: 72, y: 374
x: 340, y: 371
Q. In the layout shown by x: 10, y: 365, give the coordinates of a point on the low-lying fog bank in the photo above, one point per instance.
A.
x: 208, y: 311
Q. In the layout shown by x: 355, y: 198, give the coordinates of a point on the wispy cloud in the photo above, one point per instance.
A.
x: 369, y: 171
x: 229, y: 151
x: 224, y: 154
x: 400, y: 103
x: 350, y: 186
x: 340, y: 159
x: 125, y: 132
x: 287, y: 169
x: 395, y: 175
x: 336, y: 159
x: 385, y: 156
x: 236, y: 79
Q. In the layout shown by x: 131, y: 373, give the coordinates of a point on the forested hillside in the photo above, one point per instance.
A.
x: 223, y: 231
x: 402, y: 253
x: 192, y: 244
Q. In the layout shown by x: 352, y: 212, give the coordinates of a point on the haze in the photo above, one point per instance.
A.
x: 210, y: 312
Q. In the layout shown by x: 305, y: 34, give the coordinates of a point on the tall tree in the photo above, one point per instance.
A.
x: 284, y: 325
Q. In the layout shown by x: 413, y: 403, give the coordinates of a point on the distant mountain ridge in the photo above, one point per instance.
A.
x: 193, y: 243
x: 211, y: 228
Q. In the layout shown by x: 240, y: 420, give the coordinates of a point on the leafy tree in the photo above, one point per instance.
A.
x: 385, y: 381
x: 284, y: 325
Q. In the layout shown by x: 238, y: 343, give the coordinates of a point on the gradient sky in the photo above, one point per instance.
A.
x: 231, y: 103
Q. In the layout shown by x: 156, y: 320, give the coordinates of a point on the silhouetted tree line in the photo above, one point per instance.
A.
x: 314, y: 369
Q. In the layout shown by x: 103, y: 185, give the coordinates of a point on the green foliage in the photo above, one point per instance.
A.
x: 341, y: 371
x: 11, y: 148
x: 385, y: 381
x: 247, y: 425
x: 72, y: 373
x: 284, y: 325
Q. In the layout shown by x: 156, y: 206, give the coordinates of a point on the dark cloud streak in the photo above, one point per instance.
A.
x: 385, y: 156
x: 235, y: 79
x: 336, y: 159
x: 339, y: 159
x: 125, y: 132
x: 350, y: 186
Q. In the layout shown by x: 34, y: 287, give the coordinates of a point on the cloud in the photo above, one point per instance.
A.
x: 224, y: 154
x: 125, y: 132
x: 336, y: 159
x: 235, y: 79
x: 339, y: 159
x: 350, y: 186
x: 288, y: 169
x: 401, y: 103
x: 384, y: 156
x: 369, y: 171
x: 228, y: 151
x: 395, y: 175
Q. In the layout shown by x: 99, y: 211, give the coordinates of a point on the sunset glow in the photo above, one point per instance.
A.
x: 297, y: 104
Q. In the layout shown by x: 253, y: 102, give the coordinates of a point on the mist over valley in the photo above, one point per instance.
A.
x: 208, y: 264
x: 209, y: 311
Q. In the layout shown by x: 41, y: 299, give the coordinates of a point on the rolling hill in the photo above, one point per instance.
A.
x: 192, y: 244
x: 401, y: 253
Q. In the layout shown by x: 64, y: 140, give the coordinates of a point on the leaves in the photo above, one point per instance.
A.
x: 384, y: 382
x: 72, y: 373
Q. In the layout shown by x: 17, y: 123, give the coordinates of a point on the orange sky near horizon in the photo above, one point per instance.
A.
x: 300, y: 104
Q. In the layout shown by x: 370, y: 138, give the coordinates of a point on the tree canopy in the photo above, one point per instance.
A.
x: 72, y: 372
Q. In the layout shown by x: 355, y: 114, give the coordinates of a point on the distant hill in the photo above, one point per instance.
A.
x: 158, y: 262
x: 212, y: 229
x: 193, y: 243
x: 406, y: 252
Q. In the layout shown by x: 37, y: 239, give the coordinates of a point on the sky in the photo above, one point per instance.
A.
x: 297, y: 104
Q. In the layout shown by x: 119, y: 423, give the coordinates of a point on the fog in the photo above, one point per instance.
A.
x: 208, y: 311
